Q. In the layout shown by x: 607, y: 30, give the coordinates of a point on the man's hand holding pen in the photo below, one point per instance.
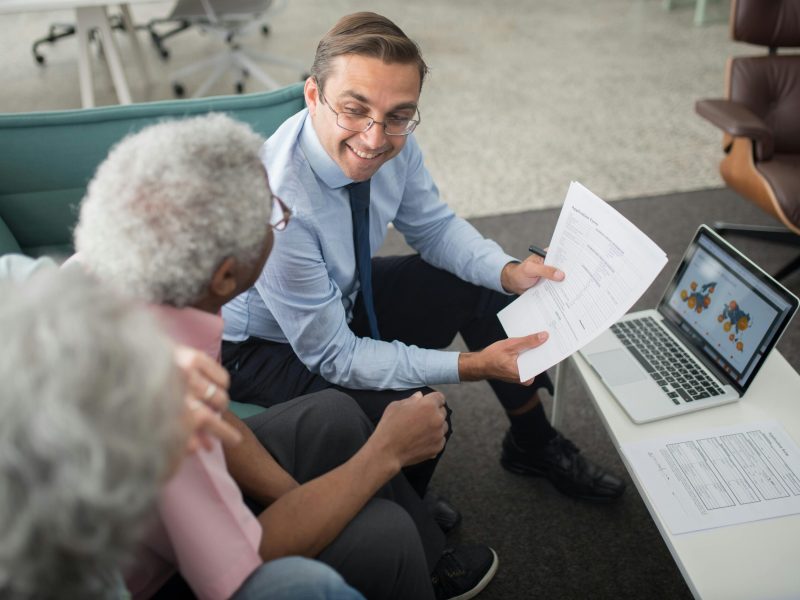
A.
x: 518, y: 277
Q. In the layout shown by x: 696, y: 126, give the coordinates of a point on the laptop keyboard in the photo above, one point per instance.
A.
x: 670, y: 365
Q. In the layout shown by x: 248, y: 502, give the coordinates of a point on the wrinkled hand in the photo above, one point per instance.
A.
x: 414, y: 429
x: 498, y: 361
x: 206, y: 396
x: 206, y: 379
x: 518, y: 277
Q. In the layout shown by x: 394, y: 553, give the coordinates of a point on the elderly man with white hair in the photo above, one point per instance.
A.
x: 179, y: 216
x: 92, y: 422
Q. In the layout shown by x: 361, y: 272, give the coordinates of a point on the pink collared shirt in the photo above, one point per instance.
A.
x: 204, y: 528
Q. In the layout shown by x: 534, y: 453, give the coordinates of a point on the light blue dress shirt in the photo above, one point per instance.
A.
x: 306, y: 292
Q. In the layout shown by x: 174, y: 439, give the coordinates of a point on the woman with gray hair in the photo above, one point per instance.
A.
x: 91, y: 422
x: 92, y: 425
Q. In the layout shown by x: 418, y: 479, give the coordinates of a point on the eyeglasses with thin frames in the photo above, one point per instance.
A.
x: 358, y: 123
x: 280, y: 214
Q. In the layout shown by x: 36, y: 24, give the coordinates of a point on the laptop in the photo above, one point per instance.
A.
x: 703, y: 345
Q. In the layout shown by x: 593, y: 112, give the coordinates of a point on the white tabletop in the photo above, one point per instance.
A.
x: 23, y: 6
x: 92, y: 22
x: 752, y: 560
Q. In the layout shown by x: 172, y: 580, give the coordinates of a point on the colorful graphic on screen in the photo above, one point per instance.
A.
x: 734, y: 318
x: 722, y: 309
x: 698, y: 300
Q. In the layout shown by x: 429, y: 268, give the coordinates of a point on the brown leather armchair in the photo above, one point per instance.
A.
x: 760, y: 118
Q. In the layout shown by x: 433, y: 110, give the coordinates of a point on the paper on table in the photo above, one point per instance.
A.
x: 719, y: 477
x: 609, y: 264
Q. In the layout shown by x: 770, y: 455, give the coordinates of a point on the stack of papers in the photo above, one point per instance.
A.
x: 609, y: 263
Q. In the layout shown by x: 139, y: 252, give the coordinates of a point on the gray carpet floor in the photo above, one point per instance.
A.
x: 551, y: 546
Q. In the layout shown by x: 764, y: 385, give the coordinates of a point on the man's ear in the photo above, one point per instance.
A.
x: 223, y: 282
x: 311, y: 92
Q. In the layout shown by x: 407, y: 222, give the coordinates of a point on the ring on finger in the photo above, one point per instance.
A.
x: 210, y: 391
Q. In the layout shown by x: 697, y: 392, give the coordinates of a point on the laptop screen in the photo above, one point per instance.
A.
x: 728, y: 309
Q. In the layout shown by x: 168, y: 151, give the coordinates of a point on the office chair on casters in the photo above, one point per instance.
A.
x: 230, y: 20
x: 760, y: 118
x: 59, y: 31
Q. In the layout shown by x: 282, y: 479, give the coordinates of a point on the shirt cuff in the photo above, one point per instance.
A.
x: 441, y: 367
x: 496, y: 266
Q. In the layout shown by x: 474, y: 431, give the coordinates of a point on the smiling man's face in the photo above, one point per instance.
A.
x: 366, y: 86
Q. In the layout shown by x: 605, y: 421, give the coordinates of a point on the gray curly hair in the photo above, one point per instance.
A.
x: 170, y: 203
x: 90, y: 423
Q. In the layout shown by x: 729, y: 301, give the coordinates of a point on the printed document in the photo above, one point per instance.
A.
x: 608, y: 263
x: 719, y: 477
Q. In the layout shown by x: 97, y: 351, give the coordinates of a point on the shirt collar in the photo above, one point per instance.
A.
x: 195, y: 328
x: 320, y: 161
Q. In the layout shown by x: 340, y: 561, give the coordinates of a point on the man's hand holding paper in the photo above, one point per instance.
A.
x: 517, y: 278
x: 610, y: 263
x: 499, y: 360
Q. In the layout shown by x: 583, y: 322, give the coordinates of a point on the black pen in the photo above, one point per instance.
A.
x: 537, y: 251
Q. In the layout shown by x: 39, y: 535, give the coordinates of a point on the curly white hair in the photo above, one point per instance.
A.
x: 170, y: 203
x: 91, y: 421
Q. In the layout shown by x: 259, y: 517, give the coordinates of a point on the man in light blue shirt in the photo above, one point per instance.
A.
x: 307, y: 324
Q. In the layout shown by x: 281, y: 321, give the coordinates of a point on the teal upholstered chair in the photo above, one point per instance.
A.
x: 48, y: 158
x: 8, y: 243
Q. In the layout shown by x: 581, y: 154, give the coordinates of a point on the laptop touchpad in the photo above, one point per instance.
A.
x: 618, y: 367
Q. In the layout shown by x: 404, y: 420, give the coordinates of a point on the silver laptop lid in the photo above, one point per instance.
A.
x: 725, y: 307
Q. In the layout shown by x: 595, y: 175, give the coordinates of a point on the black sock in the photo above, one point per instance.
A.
x: 531, y: 429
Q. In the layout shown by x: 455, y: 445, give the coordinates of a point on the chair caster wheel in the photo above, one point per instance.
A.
x: 178, y: 90
x: 164, y: 54
x: 39, y: 59
x: 239, y: 87
x: 265, y: 29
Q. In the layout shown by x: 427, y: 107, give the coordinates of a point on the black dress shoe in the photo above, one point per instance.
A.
x: 444, y: 513
x: 561, y: 462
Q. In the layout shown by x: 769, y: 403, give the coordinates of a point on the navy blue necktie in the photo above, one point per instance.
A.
x: 359, y: 206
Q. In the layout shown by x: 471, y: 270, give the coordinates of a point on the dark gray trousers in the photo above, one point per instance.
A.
x: 389, y: 549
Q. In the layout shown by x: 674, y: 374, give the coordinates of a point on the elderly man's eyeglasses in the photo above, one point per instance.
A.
x: 280, y: 214
x: 359, y: 123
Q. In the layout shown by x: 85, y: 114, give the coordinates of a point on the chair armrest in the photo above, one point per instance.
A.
x: 8, y: 243
x: 739, y: 121
x: 245, y: 410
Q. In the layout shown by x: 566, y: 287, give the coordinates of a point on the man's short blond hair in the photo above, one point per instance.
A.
x: 366, y: 34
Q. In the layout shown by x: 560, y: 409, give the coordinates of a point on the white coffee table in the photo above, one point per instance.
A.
x: 752, y: 560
